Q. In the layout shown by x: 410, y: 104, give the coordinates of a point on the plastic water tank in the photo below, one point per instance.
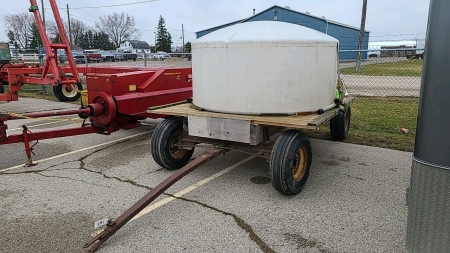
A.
x: 264, y: 67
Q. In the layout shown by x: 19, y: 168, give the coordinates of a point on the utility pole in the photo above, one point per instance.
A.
x: 182, y: 35
x: 361, y: 35
x: 68, y: 20
x: 43, y: 12
x: 155, y: 42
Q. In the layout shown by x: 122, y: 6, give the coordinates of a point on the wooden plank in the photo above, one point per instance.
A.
x: 324, y: 117
x: 311, y: 121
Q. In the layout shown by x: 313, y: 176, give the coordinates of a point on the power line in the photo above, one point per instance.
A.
x: 404, y: 34
x: 396, y: 20
x: 114, y: 5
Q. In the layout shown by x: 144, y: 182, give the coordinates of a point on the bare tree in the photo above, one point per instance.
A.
x: 20, y: 25
x: 119, y: 27
x: 77, y: 29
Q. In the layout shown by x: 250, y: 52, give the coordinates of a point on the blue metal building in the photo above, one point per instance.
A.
x: 348, y: 36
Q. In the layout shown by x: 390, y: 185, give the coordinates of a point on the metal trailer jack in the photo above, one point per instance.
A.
x: 113, y: 225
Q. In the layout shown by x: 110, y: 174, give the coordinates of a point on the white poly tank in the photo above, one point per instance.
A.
x: 264, y: 67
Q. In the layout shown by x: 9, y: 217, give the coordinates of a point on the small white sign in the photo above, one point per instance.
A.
x: 100, y: 223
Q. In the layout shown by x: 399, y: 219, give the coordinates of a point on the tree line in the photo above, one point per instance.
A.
x: 107, y: 34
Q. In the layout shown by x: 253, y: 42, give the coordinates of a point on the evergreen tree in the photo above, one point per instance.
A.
x: 95, y: 41
x: 163, y: 38
x: 11, y: 36
x: 35, y: 37
x: 104, y: 42
x: 84, y: 41
x: 90, y: 37
x: 56, y: 39
x: 187, y: 47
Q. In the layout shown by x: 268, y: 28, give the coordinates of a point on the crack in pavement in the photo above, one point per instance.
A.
x: 147, y: 173
x: 77, y: 180
x: 240, y: 222
x: 33, y: 171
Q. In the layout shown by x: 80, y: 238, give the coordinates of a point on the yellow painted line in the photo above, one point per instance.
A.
x: 186, y: 190
x: 191, y: 188
x: 35, y: 107
x: 43, y: 124
x: 79, y: 150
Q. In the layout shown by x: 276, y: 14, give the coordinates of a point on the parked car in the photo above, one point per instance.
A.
x: 107, y: 56
x: 129, y: 56
x: 79, y: 57
x: 93, y: 55
x: 161, y: 56
x: 121, y: 56
x: 118, y: 56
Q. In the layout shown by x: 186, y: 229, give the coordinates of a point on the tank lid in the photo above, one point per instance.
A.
x: 262, y: 31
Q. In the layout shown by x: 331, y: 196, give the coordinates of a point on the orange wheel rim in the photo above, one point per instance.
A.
x: 301, y: 162
x: 347, y: 120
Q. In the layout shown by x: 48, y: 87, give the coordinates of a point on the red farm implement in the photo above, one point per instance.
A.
x: 65, y: 83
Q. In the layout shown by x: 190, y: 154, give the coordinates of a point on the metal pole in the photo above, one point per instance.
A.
x: 68, y: 20
x: 182, y: 34
x: 428, y: 198
x: 361, y: 35
x: 41, y: 56
x: 145, y: 58
x: 43, y: 12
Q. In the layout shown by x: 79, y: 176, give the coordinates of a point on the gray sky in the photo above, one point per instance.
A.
x: 391, y: 20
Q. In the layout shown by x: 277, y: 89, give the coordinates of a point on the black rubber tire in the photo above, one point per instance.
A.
x: 160, y: 144
x: 290, y: 162
x: 340, y: 124
x: 55, y: 92
x: 2, y: 87
x: 59, y: 94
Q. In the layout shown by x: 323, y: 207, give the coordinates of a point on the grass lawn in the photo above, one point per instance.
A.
x: 377, y: 122
x: 401, y: 68
x: 36, y: 91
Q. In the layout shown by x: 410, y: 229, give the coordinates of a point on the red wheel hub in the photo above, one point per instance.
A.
x: 105, y: 109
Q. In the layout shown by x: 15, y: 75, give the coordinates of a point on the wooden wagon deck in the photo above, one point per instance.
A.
x: 311, y: 121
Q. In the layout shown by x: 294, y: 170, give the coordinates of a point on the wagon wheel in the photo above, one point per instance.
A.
x: 164, y: 142
x: 62, y: 94
x: 290, y: 162
x: 340, y: 124
x: 2, y: 87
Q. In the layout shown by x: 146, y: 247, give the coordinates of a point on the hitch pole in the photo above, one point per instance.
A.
x: 113, y: 225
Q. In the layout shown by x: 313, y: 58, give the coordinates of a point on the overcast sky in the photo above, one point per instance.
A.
x: 387, y: 20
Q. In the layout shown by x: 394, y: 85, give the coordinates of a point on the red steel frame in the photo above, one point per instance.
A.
x: 117, y: 99
x: 50, y: 74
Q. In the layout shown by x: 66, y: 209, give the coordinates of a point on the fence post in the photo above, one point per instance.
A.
x: 145, y: 59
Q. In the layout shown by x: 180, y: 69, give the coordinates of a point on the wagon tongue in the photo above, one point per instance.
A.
x: 113, y: 225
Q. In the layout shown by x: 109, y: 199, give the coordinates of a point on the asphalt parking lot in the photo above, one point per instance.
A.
x: 354, y: 200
